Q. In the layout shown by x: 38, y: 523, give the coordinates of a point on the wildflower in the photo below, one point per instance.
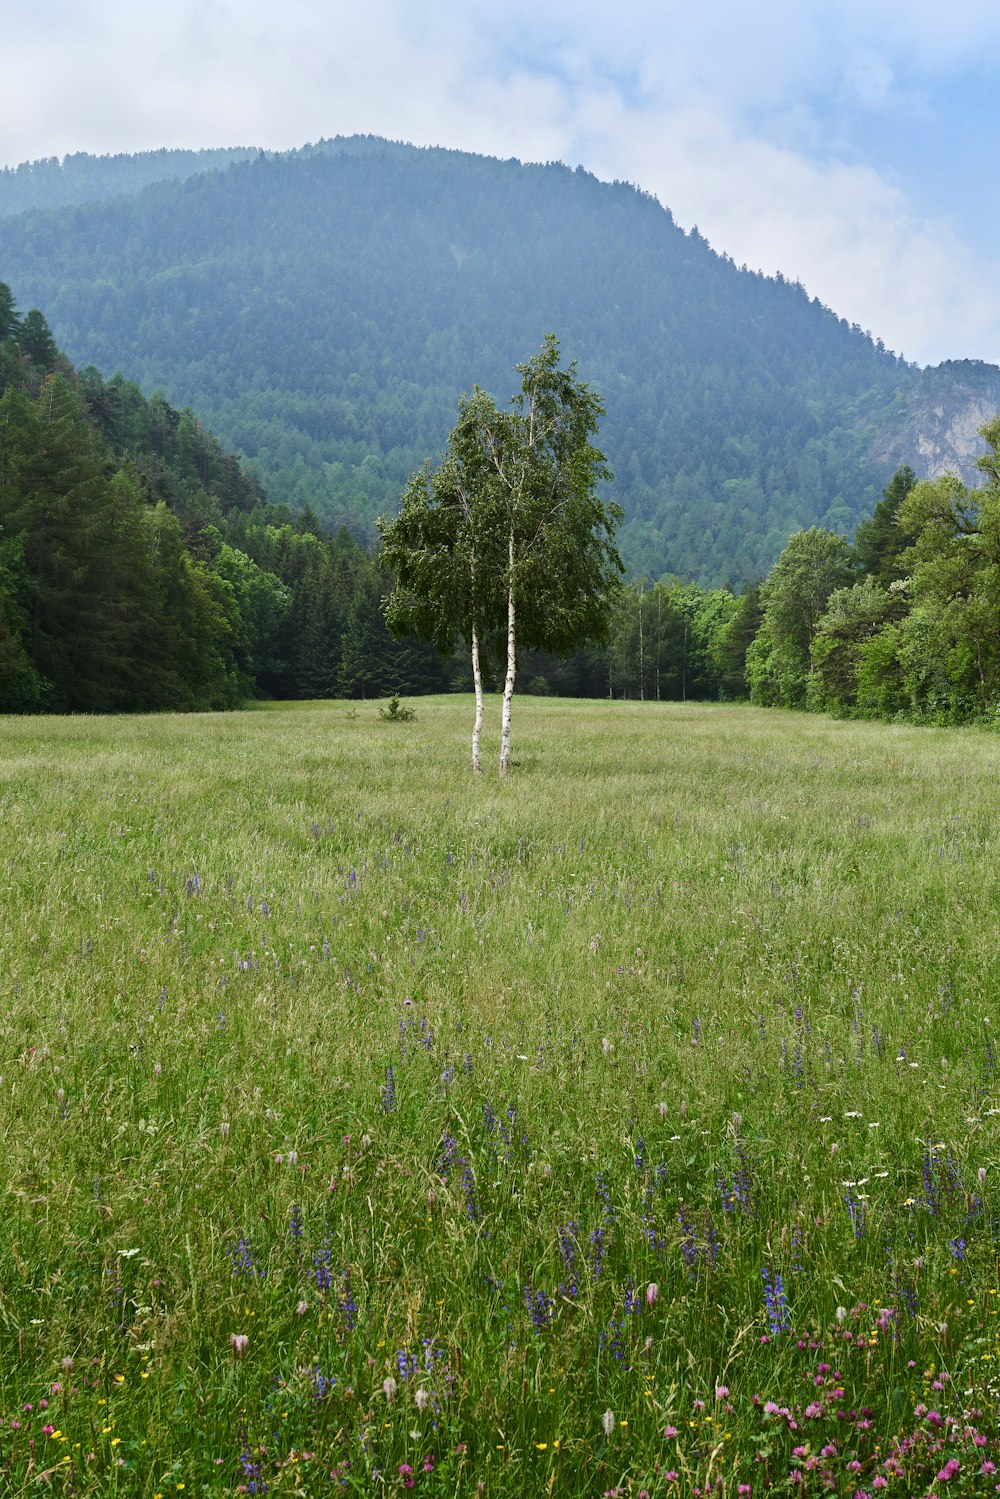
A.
x: 669, y: 1432
x: 608, y: 1422
x: 652, y: 1294
x: 420, y: 1399
x: 240, y: 1344
x: 389, y: 1387
x: 540, y: 1307
x: 778, y: 1314
x: 302, y: 1308
x: 721, y: 1391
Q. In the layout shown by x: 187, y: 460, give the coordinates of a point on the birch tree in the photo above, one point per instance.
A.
x: 542, y: 477
x: 437, y: 552
x: 510, y: 540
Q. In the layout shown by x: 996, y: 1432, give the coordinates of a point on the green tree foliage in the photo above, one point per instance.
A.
x: 853, y: 617
x: 34, y: 337
x: 140, y: 566
x: 665, y: 641
x: 510, y: 538
x: 950, y: 640
x: 878, y: 542
x: 919, y: 634
x: 446, y: 585
x: 794, y: 598
x: 733, y: 641
x: 10, y: 323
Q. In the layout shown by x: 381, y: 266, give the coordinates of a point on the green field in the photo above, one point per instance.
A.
x: 629, y: 1126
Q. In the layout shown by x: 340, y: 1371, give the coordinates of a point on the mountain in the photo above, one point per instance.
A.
x: 324, y: 309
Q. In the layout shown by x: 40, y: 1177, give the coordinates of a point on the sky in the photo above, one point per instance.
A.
x: 849, y: 144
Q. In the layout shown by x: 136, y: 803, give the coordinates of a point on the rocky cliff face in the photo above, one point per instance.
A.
x: 935, y: 420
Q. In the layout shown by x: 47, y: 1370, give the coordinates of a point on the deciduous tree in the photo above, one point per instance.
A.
x: 511, y: 537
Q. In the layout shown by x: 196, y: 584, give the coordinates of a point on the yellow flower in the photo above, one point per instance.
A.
x: 541, y: 1446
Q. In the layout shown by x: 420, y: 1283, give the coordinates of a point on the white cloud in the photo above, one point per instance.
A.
x: 846, y: 233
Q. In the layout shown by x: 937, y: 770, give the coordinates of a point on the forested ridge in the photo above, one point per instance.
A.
x: 322, y: 310
x: 82, y: 178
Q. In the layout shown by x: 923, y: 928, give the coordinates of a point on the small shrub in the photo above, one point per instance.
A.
x: 396, y: 712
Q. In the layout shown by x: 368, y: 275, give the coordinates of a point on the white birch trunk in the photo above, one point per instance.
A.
x: 508, y: 686
x: 477, y: 727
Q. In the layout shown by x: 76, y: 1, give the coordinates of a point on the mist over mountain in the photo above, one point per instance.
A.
x: 324, y: 309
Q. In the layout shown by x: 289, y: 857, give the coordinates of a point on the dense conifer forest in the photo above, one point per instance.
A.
x: 141, y: 566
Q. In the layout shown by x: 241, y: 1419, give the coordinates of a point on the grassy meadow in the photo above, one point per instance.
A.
x: 626, y: 1128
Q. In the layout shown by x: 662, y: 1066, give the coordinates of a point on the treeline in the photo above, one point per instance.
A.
x: 901, y: 623
x: 142, y: 568
x: 904, y: 622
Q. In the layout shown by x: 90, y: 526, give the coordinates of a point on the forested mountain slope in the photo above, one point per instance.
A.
x: 141, y: 567
x: 324, y: 309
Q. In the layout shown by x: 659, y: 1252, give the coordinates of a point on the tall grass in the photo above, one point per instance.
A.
x: 628, y: 1127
